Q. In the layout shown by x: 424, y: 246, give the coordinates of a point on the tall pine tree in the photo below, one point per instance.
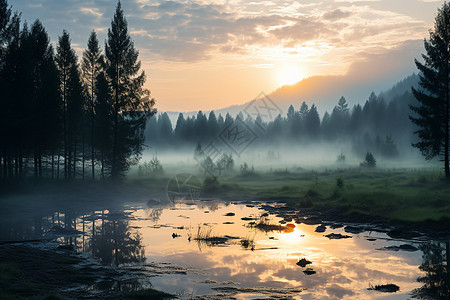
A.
x: 432, y: 115
x: 72, y: 100
x: 132, y: 103
x: 92, y: 65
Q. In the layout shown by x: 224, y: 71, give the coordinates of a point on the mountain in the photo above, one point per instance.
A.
x: 323, y: 91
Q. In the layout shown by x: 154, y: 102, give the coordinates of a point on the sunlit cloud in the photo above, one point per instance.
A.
x: 318, y: 37
x: 91, y: 11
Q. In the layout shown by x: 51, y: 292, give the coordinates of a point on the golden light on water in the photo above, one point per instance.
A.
x: 272, y: 261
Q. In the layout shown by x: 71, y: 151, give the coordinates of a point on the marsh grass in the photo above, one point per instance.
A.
x: 403, y: 195
x: 204, y: 235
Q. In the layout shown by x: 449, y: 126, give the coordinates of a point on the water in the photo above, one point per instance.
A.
x: 162, y: 242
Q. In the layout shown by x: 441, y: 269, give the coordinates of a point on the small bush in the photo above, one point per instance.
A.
x: 208, y: 165
x: 246, y: 170
x: 340, y: 158
x: 152, y: 167
x: 340, y: 182
x: 210, y: 184
x: 370, y: 161
x: 225, y: 163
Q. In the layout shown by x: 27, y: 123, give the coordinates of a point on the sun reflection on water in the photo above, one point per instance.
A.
x: 343, y: 268
x: 210, y: 247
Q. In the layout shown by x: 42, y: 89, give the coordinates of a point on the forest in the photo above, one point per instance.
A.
x: 380, y: 126
x: 64, y: 117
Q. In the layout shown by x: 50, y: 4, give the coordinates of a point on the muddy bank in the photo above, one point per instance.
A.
x: 336, y: 217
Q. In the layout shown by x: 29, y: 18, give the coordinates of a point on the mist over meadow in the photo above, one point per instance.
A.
x: 297, y: 138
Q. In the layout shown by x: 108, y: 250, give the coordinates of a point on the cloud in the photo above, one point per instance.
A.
x: 91, y: 11
x: 336, y: 14
x: 338, y: 291
x: 193, y: 31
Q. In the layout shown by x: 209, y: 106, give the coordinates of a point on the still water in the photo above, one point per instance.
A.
x: 210, y: 248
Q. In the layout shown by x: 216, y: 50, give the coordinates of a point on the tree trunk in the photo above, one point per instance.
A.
x: 116, y: 124
x: 75, y: 157
x: 447, y: 138
x: 83, y: 158
x: 114, y: 152
x: 92, y: 129
x: 40, y: 162
x: 35, y: 164
x: 1, y: 166
x: 16, y: 165
x: 4, y: 166
x: 102, y: 167
x: 20, y: 164
x: 447, y: 120
x: 53, y: 164
x: 57, y: 167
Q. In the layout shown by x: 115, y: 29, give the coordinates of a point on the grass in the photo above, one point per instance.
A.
x: 204, y: 235
x: 398, y: 195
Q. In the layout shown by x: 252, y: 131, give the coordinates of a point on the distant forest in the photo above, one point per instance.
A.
x: 61, y: 119
x: 378, y: 126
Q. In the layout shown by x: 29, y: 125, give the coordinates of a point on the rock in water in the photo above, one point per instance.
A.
x: 309, y: 271
x: 337, y: 236
x: 321, y: 228
x: 385, y: 288
x: 303, y: 262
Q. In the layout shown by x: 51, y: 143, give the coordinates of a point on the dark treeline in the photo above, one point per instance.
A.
x: 377, y: 126
x: 63, y: 119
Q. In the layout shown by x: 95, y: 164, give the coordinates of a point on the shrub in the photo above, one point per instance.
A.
x: 246, y: 171
x: 152, y: 167
x: 340, y: 158
x: 340, y: 182
x: 208, y: 165
x: 225, y: 163
x: 370, y: 161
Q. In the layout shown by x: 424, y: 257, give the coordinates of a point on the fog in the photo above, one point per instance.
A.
x: 294, y: 158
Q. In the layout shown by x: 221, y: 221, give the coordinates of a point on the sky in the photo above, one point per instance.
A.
x: 210, y: 54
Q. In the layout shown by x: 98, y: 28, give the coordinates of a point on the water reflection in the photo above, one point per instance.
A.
x: 436, y: 260
x: 203, y: 247
x: 114, y: 242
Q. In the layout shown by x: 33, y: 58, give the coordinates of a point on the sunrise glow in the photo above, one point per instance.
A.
x: 289, y: 75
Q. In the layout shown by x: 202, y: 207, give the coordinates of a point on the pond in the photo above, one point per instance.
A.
x: 210, y: 248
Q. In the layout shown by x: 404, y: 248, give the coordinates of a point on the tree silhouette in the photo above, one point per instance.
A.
x: 132, y: 103
x: 432, y: 115
x: 92, y: 65
x: 11, y: 100
x: 104, y: 124
x: 436, y: 281
x: 72, y: 98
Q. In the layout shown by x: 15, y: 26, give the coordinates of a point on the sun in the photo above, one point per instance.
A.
x: 288, y: 75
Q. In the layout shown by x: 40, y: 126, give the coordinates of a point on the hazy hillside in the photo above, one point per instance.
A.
x: 324, y: 91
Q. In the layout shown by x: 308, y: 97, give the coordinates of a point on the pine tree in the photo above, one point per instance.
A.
x: 132, y: 103
x: 5, y: 34
x: 180, y: 128
x: 72, y: 100
x: 432, y: 116
x: 104, y: 125
x: 92, y: 65
x: 38, y: 97
x: 10, y: 65
x: 312, y: 122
